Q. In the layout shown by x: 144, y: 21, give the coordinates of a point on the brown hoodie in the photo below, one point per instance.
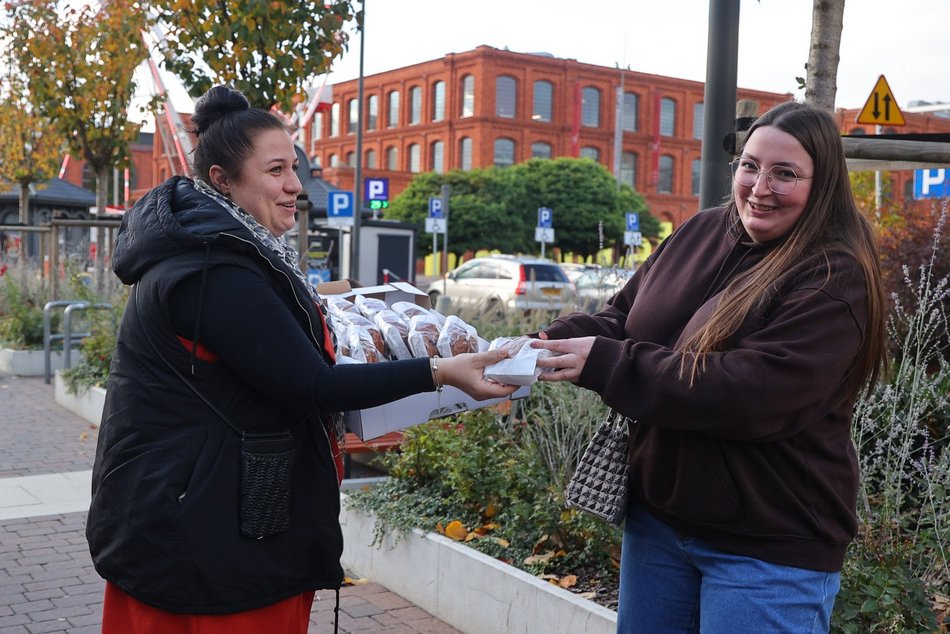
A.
x: 756, y: 457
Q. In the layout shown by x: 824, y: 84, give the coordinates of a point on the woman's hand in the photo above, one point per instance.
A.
x: 568, y: 360
x: 466, y: 372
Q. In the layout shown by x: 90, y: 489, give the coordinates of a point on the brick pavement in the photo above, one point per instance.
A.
x: 47, y: 581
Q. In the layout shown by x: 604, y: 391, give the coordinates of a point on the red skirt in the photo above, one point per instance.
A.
x: 123, y: 614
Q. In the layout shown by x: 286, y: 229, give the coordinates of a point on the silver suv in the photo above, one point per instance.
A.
x: 505, y: 282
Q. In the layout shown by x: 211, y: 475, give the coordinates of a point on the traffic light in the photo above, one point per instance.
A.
x: 378, y: 204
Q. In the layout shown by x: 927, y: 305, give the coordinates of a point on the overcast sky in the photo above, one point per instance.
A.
x: 907, y: 41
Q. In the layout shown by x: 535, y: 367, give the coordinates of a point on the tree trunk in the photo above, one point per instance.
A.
x: 102, y: 192
x: 823, y: 53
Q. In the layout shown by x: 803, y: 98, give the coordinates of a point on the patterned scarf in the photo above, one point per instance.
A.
x: 288, y: 255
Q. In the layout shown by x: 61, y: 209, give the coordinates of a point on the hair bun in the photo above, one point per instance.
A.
x: 217, y: 103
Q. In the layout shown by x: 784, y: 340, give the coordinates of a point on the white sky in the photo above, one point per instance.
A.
x: 907, y: 41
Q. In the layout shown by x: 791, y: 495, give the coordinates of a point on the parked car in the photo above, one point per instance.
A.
x: 595, y: 285
x: 505, y: 283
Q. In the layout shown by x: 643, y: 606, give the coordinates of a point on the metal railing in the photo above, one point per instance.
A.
x: 67, y: 336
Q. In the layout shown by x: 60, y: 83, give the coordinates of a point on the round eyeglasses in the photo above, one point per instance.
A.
x: 781, y: 179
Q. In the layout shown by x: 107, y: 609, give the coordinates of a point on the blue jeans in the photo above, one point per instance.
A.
x: 672, y: 583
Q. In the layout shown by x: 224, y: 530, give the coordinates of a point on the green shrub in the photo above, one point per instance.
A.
x: 21, y: 313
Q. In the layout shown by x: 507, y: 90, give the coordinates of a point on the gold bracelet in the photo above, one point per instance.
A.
x: 434, y: 368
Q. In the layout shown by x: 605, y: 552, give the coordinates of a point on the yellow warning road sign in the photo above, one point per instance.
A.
x: 881, y: 107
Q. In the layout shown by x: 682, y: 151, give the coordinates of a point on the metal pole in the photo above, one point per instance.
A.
x: 719, y: 111
x: 444, y: 194
x: 358, y: 177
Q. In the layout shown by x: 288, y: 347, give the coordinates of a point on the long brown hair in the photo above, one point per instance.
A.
x: 831, y: 222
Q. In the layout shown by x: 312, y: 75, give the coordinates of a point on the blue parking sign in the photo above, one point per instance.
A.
x: 931, y: 183
x: 633, y: 221
x: 545, y: 218
x: 435, y: 207
x: 340, y: 208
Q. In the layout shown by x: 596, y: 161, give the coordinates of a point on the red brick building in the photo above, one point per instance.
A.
x: 492, y: 107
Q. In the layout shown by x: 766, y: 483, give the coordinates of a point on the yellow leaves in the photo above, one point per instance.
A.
x: 568, y: 581
x: 455, y: 530
x: 348, y: 581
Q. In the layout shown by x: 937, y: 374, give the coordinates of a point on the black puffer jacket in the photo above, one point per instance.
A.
x: 164, y: 519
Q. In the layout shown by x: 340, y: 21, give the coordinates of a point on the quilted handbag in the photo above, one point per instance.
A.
x: 599, y: 484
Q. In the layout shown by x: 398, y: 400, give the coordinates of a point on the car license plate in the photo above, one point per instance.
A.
x: 551, y: 291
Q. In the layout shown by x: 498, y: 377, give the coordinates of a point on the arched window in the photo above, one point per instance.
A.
x: 628, y: 169
x: 353, y: 118
x: 415, y: 158
x: 351, y: 159
x: 392, y: 158
x: 506, y: 90
x: 504, y: 153
x: 699, y: 111
x: 664, y: 184
x: 696, y: 171
x: 371, y: 159
x: 590, y: 152
x: 335, y: 119
x: 590, y: 107
x: 465, y: 153
x: 542, y: 104
x: 392, y: 116
x: 415, y: 105
x: 438, y: 101
x: 631, y: 111
x: 437, y: 157
x: 541, y: 149
x: 468, y: 97
x: 667, y: 117
x: 372, y: 114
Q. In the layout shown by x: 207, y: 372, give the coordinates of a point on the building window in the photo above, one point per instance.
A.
x: 438, y: 101
x: 351, y: 159
x: 316, y: 132
x: 392, y: 158
x: 628, y: 169
x: 697, y: 170
x: 415, y: 158
x: 468, y: 97
x: 858, y: 132
x: 334, y: 160
x: 664, y: 184
x: 541, y: 150
x: 698, y: 114
x: 372, y: 115
x: 591, y: 153
x: 353, y: 119
x: 437, y: 157
x: 465, y: 153
x: 415, y: 105
x: 667, y: 117
x: 392, y: 116
x: 543, y: 100
x: 504, y: 153
x: 631, y: 111
x: 371, y: 159
x: 590, y: 108
x: 506, y: 89
x: 335, y: 119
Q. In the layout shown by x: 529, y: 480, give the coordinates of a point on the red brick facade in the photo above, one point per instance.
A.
x: 571, y: 108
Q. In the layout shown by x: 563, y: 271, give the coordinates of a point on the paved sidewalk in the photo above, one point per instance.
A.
x: 47, y: 581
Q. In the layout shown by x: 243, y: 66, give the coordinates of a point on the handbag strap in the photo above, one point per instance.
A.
x: 181, y: 376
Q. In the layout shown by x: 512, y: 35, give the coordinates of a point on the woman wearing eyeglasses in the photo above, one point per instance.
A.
x: 738, y: 349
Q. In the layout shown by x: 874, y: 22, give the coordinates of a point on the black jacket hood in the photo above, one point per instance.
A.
x: 172, y: 218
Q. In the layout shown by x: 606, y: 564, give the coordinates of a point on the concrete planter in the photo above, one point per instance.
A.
x: 88, y: 404
x: 471, y: 591
x: 31, y: 362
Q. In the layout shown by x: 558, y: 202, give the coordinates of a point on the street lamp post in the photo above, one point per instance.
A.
x: 358, y: 176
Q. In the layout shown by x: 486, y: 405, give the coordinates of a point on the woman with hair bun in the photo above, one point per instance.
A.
x: 215, y: 488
